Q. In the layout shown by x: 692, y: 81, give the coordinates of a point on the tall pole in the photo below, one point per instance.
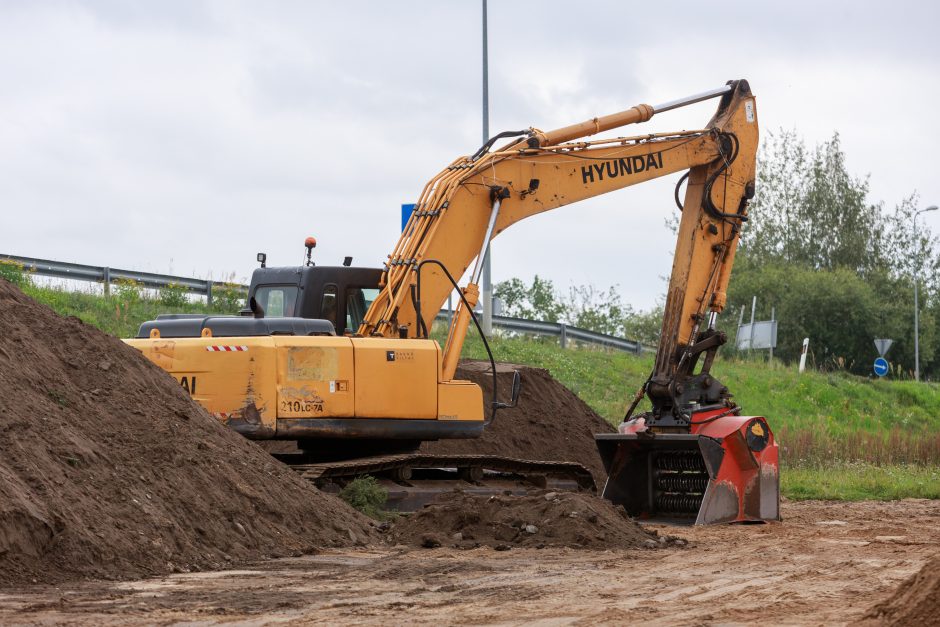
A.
x: 916, y: 332
x: 487, y: 275
x: 916, y: 306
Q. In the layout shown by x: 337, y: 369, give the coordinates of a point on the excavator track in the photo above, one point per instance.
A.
x: 413, y: 480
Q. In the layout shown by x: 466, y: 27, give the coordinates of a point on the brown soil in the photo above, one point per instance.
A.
x: 824, y: 565
x: 915, y: 603
x: 550, y: 423
x: 108, y: 469
x: 539, y: 520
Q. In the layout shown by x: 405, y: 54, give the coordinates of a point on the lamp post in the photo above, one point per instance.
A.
x: 487, y: 267
x: 916, y: 307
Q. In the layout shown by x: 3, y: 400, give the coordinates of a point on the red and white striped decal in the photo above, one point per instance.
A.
x: 226, y: 349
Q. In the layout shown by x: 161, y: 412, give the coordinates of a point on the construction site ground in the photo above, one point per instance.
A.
x: 122, y: 501
x: 827, y: 563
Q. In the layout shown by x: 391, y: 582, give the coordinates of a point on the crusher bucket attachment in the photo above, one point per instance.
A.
x: 725, y: 470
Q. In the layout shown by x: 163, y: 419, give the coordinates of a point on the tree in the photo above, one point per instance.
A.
x: 838, y: 267
x: 538, y: 301
x: 585, y: 306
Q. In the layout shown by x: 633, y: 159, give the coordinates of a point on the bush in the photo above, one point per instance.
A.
x: 14, y: 273
x: 366, y: 495
x: 127, y: 291
x: 228, y: 298
x: 173, y: 296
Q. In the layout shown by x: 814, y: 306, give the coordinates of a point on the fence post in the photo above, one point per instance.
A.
x: 208, y: 293
x: 106, y: 277
x: 564, y: 336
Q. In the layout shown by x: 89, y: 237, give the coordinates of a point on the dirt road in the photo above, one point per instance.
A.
x: 826, y: 564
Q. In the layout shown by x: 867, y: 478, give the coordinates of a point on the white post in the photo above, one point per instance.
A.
x: 803, y: 354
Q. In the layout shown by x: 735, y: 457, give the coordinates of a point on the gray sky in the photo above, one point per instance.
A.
x: 185, y: 136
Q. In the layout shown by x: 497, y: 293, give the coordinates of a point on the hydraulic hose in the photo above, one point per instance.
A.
x: 495, y: 405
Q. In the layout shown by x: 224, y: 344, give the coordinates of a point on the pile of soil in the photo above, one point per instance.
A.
x: 915, y: 603
x: 109, y: 470
x: 539, y: 519
x: 550, y: 423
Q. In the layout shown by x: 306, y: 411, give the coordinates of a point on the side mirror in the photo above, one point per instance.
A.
x: 516, y: 388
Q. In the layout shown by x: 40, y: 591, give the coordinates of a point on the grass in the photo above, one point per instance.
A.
x: 817, y: 416
x: 842, y: 436
x: 857, y: 481
x: 121, y: 312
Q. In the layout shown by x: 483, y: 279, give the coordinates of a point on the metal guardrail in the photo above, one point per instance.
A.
x: 105, y: 275
x: 564, y: 333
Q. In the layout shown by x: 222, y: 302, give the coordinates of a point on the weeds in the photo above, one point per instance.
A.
x: 366, y: 495
x: 58, y: 397
x: 228, y: 298
x: 805, y: 448
x: 14, y: 273
x: 854, y: 481
x: 173, y: 296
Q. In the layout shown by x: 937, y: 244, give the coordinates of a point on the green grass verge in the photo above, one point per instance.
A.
x: 860, y: 481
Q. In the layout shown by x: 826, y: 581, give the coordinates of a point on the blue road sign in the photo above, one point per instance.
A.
x: 881, y: 366
x: 406, y: 211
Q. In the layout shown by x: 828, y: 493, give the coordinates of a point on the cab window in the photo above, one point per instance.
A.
x: 328, y: 304
x: 277, y: 300
x: 358, y: 300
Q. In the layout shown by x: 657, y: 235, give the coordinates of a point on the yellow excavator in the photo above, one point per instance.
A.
x: 340, y: 359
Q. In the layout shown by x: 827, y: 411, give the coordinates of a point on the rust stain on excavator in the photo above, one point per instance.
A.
x: 163, y: 353
x: 248, y: 422
x: 312, y: 363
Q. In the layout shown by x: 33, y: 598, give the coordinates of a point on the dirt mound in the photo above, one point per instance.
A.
x: 539, y: 519
x: 915, y: 603
x: 549, y: 424
x: 108, y: 469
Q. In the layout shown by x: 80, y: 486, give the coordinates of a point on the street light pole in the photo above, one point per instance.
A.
x: 487, y: 269
x: 916, y: 305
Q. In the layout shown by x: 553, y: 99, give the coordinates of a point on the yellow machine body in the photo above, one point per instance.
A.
x: 317, y: 386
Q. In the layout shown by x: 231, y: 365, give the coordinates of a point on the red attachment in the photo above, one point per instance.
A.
x: 746, y: 486
x: 726, y: 469
x: 310, y: 242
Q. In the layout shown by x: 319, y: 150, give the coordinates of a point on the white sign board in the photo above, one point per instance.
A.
x: 757, y: 335
x: 883, y: 346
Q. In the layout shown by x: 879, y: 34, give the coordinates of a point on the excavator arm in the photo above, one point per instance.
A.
x: 477, y: 197
x: 693, y: 457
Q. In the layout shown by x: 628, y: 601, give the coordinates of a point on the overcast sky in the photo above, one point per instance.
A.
x: 185, y: 136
